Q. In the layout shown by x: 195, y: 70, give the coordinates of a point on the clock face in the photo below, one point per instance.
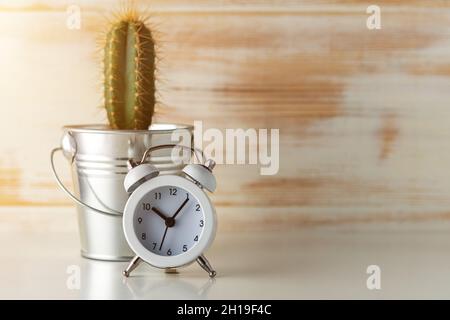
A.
x: 168, y: 221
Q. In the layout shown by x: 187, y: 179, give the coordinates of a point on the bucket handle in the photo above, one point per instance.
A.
x: 70, y: 194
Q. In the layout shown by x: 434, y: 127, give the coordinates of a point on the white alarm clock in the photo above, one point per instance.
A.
x: 168, y: 220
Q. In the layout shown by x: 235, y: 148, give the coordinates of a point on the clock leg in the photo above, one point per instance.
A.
x: 133, y: 264
x: 204, y: 263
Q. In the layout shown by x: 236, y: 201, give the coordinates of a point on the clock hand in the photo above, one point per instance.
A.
x: 181, y: 207
x: 159, y: 213
x: 164, y: 237
x: 170, y: 222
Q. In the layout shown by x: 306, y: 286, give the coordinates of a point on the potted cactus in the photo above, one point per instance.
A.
x: 98, y: 154
x: 129, y: 74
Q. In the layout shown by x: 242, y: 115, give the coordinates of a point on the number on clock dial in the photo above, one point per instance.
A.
x: 150, y: 226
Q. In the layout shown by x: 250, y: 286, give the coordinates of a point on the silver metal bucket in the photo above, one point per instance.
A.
x: 98, y: 158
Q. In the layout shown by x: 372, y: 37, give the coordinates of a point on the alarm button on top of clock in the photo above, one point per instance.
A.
x: 202, y: 175
x: 139, y: 174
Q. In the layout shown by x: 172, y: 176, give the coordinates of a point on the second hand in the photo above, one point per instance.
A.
x: 164, y: 237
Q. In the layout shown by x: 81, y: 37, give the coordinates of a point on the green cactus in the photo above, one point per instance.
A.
x: 129, y: 74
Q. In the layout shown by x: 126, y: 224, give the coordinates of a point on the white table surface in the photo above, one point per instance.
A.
x: 39, y: 244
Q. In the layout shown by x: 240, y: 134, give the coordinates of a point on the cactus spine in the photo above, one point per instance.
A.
x: 129, y: 74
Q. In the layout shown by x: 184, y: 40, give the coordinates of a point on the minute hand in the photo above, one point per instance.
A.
x: 181, y: 207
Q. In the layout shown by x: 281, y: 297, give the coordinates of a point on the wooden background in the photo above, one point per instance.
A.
x: 364, y: 115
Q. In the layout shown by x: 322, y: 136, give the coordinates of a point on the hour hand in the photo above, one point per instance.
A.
x: 159, y: 213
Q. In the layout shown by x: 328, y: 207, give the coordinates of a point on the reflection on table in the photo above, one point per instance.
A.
x: 104, y: 280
